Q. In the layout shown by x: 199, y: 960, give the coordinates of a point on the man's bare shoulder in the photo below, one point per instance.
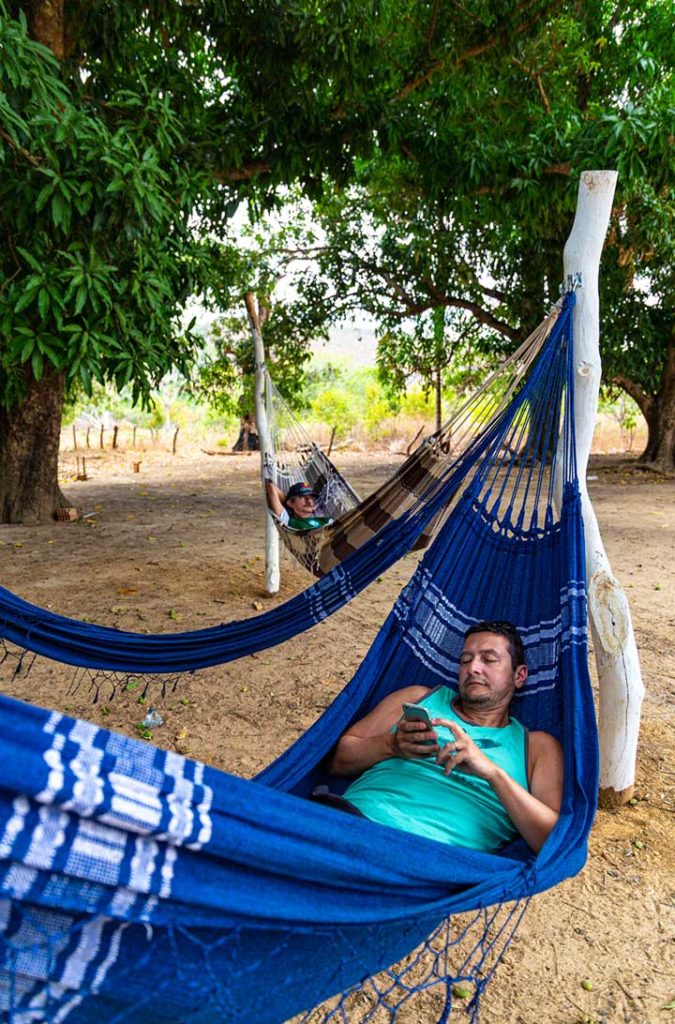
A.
x: 543, y: 746
x: 388, y: 711
x: 410, y: 694
x: 545, y: 768
x: 544, y: 740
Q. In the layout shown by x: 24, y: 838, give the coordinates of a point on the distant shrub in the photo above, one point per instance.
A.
x: 377, y: 412
x: 334, y: 407
x: 418, y: 403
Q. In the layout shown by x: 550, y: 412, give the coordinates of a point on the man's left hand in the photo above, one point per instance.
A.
x: 463, y: 753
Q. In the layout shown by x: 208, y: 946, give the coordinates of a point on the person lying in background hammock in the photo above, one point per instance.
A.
x: 297, y: 510
x: 472, y: 777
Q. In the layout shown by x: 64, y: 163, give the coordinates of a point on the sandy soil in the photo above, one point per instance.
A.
x: 179, y: 546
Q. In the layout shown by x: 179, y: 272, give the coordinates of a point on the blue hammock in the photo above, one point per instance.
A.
x: 85, y: 644
x: 138, y: 886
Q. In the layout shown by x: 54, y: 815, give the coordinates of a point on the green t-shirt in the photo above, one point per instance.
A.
x: 417, y: 796
x: 310, y: 523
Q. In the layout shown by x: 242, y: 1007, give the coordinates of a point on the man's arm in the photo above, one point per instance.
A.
x: 275, y: 498
x: 371, y: 740
x: 533, y: 813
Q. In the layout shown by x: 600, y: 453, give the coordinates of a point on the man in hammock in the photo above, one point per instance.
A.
x: 473, y: 777
x: 297, y: 510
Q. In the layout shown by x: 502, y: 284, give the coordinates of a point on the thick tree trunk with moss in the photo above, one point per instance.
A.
x: 29, y: 450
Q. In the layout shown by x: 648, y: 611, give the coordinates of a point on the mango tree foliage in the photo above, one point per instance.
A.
x: 469, y: 199
x: 99, y: 254
x: 129, y: 134
x: 438, y: 351
x: 226, y: 375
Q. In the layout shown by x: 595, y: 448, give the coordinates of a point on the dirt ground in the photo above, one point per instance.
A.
x: 179, y: 545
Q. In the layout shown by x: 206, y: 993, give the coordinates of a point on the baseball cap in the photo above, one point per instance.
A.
x: 300, y: 490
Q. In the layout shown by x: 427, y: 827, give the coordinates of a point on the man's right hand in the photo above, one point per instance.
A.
x: 414, y: 739
x: 372, y: 740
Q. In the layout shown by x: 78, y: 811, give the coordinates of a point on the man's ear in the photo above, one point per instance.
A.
x: 520, y: 676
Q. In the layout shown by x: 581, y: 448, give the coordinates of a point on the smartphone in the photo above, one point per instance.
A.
x: 417, y: 713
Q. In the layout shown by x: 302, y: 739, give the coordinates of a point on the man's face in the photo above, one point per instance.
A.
x: 487, y: 678
x: 302, y: 506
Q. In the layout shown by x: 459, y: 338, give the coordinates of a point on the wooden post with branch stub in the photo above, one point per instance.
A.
x: 257, y: 315
x: 616, y: 655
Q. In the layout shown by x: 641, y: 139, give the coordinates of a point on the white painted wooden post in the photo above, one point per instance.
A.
x: 616, y: 656
x: 257, y: 314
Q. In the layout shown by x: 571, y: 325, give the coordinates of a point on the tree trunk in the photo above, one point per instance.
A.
x: 659, y: 413
x: 439, y: 397
x: 29, y: 450
x: 30, y: 432
x: 45, y: 24
x: 660, y: 450
x: 248, y: 440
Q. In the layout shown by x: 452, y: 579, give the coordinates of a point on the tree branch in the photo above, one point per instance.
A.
x: 470, y: 54
x: 437, y: 300
x: 636, y: 392
x: 264, y: 309
x: 432, y: 27
x: 492, y: 293
x: 544, y: 97
x: 301, y: 254
x: 33, y: 160
x: 536, y: 76
x: 483, y: 316
x: 563, y: 168
x: 488, y: 190
x: 389, y: 279
x: 244, y: 173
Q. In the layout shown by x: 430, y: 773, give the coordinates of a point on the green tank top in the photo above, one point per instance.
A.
x: 416, y: 795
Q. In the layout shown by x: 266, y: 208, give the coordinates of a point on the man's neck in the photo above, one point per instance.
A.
x: 492, y: 718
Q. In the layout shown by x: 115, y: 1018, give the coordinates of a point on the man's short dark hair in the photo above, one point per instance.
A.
x: 505, y: 629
